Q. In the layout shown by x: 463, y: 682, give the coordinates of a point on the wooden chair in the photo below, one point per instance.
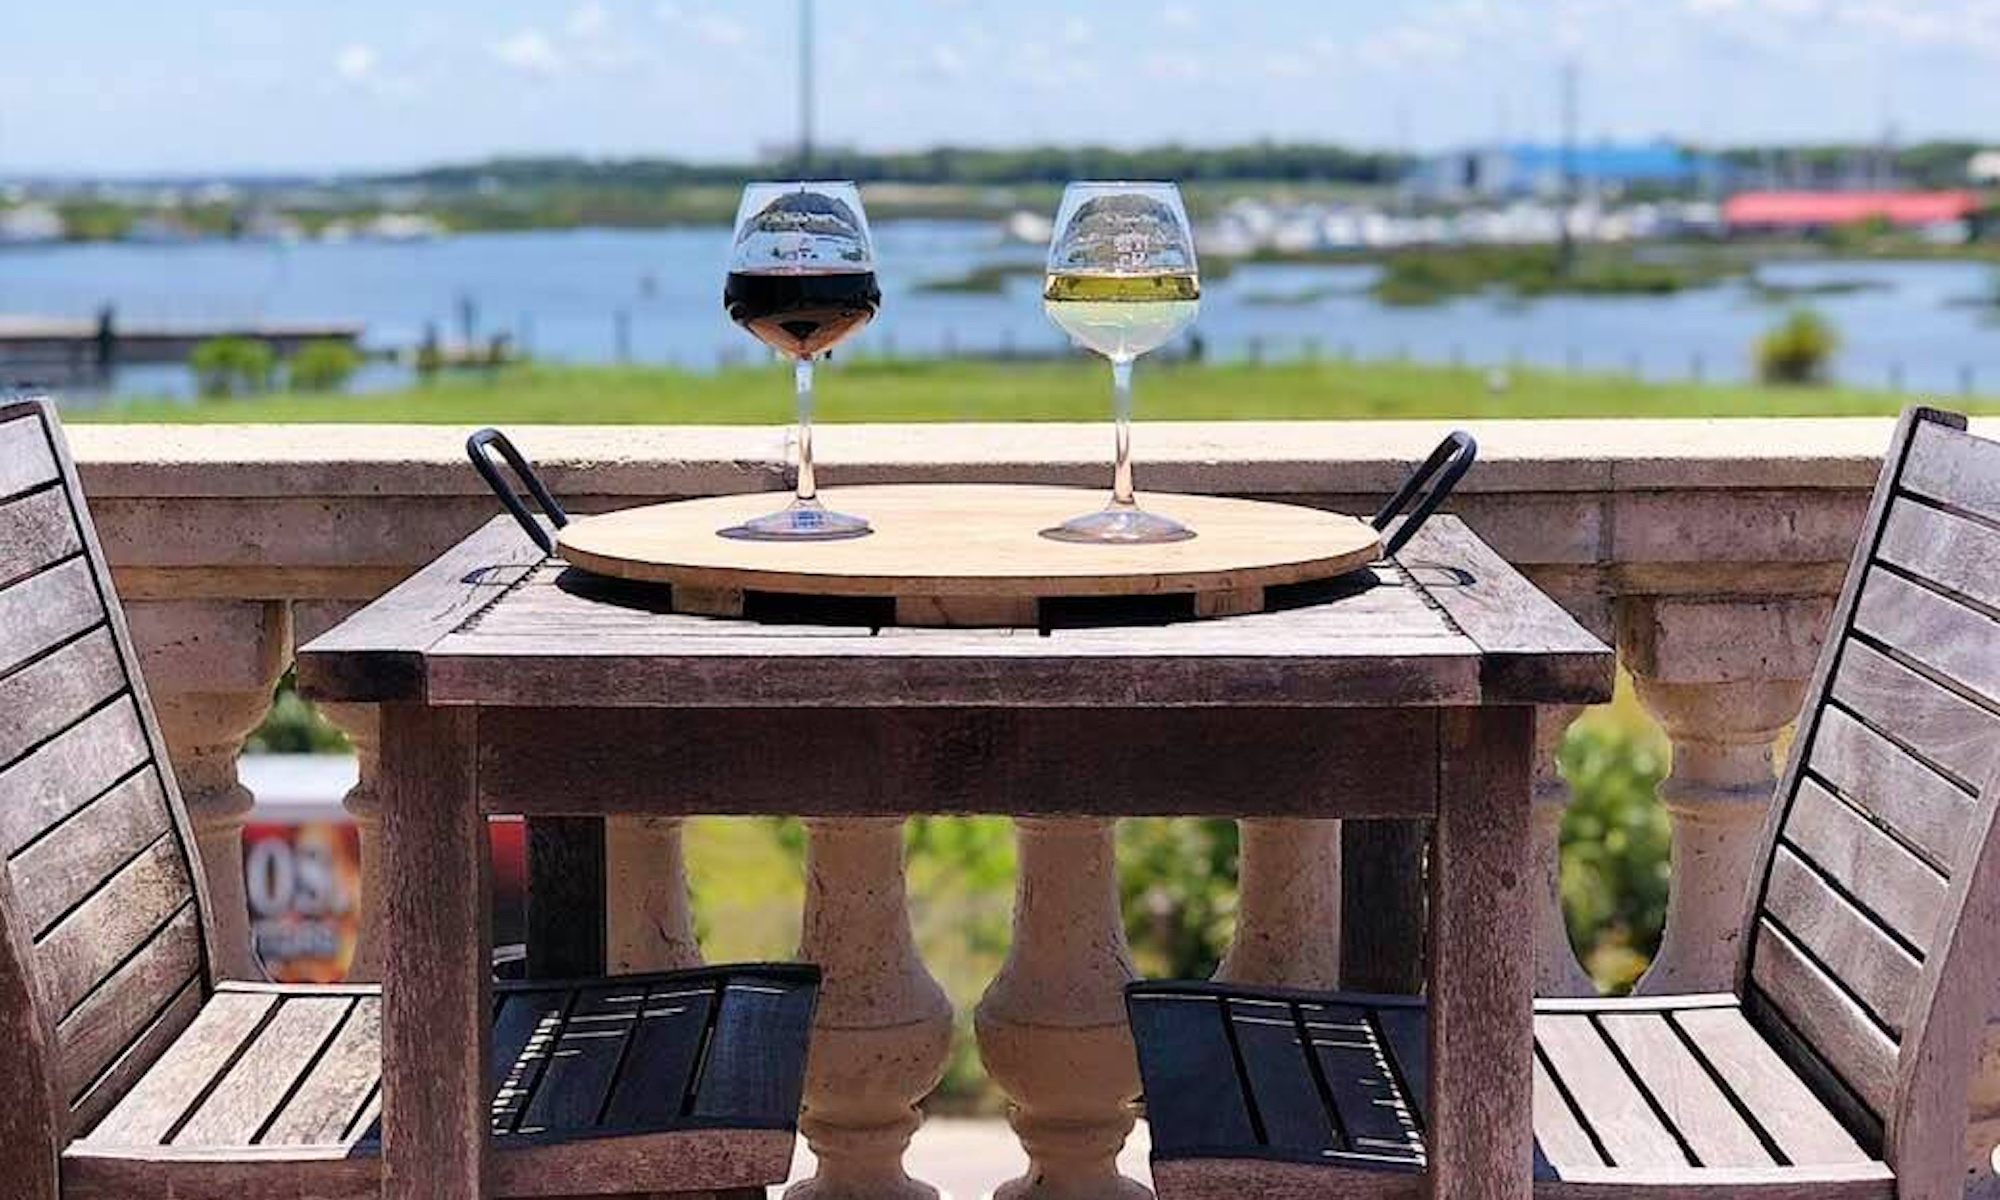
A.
x: 1838, y: 1067
x: 128, y: 1070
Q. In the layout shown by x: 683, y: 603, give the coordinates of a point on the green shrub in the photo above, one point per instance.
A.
x: 1798, y: 350
x: 324, y: 366
x: 1615, y: 841
x: 231, y: 366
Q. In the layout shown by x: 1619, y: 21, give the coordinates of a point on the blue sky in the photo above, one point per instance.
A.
x: 190, y: 86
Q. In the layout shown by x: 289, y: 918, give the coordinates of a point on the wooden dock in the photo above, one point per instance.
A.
x: 79, y: 346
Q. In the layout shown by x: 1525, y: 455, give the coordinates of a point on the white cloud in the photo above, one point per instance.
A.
x: 590, y: 20
x: 718, y: 30
x: 1179, y: 16
x: 531, y: 53
x: 1177, y: 68
x: 947, y: 60
x: 1076, y: 31
x: 356, y: 63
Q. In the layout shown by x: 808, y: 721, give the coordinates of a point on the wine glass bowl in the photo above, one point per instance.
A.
x: 1123, y: 281
x: 801, y: 280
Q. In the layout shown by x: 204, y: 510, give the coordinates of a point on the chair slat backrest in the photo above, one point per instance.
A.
x: 1880, y: 835
x: 102, y: 897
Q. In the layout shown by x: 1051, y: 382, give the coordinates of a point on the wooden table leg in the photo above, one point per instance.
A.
x: 565, y: 897
x: 1482, y: 966
x: 1382, y: 906
x: 437, y: 976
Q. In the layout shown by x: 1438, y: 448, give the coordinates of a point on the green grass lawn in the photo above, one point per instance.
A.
x: 1077, y: 390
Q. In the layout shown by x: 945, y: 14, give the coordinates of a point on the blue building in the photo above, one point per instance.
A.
x: 1523, y: 170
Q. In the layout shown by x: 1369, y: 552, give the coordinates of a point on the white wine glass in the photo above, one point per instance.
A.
x: 801, y: 279
x: 1122, y: 281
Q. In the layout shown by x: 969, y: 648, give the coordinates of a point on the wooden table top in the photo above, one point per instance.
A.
x: 492, y: 622
x: 939, y: 544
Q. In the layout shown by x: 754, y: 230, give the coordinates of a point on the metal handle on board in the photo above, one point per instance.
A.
x: 477, y: 447
x: 1439, y: 474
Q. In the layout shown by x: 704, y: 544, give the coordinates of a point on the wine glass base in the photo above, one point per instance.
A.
x: 802, y: 521
x: 1120, y: 525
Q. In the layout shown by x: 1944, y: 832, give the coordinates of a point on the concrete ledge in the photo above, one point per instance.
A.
x: 1267, y: 457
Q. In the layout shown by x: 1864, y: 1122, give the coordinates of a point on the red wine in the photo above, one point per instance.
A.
x: 801, y: 313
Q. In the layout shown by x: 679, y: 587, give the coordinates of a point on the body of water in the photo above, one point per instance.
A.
x: 654, y: 297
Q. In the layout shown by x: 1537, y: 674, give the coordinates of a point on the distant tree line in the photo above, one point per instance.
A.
x: 1928, y: 164
x: 948, y: 165
x: 1924, y: 164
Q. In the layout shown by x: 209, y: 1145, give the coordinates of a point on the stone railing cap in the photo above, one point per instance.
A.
x: 1272, y: 458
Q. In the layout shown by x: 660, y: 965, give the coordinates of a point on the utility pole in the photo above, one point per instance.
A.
x: 805, y: 88
x: 1565, y: 241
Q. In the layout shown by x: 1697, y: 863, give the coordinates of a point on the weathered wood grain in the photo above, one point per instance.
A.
x: 1609, y: 1100
x: 114, y: 922
x: 1533, y: 652
x: 35, y: 532
x: 1898, y: 887
x: 246, y: 1097
x: 1834, y: 661
x: 68, y: 771
x: 131, y: 1064
x: 323, y: 1109
x: 1695, y: 1106
x: 52, y: 693
x: 25, y: 458
x: 1831, y: 1021
x: 32, y: 1124
x: 1481, y: 1026
x: 377, y: 654
x: 155, y: 1106
x: 46, y: 610
x: 436, y: 1001
x: 1384, y: 927
x: 1941, y: 1048
x: 1171, y: 762
x: 1952, y: 552
x: 129, y: 1002
x: 1843, y: 938
x: 1949, y: 465
x: 1797, y: 1121
x: 1932, y: 630
x: 1880, y: 777
x: 62, y: 869
x: 566, y: 900
x: 1562, y: 1144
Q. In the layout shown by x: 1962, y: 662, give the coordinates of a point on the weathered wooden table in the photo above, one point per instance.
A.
x: 517, y: 685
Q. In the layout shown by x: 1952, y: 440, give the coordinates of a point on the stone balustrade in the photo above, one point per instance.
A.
x: 1710, y: 551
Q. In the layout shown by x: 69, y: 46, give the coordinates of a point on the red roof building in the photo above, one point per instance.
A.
x: 1823, y: 210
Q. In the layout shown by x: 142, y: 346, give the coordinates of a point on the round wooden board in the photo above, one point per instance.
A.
x: 971, y: 554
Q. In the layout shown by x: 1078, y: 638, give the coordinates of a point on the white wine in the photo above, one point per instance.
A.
x: 1122, y: 316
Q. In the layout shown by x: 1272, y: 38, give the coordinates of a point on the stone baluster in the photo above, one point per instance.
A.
x: 1557, y: 971
x: 648, y: 925
x: 883, y: 1027
x: 1052, y: 1028
x: 210, y: 666
x: 362, y: 726
x: 1288, y: 907
x: 1724, y: 678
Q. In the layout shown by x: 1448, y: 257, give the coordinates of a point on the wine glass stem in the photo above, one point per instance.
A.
x: 802, y: 377
x: 1121, y: 404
